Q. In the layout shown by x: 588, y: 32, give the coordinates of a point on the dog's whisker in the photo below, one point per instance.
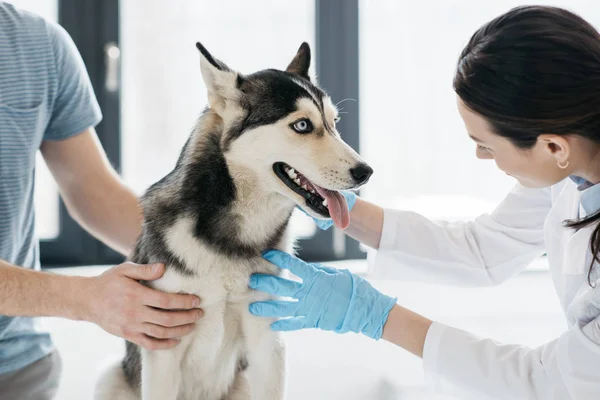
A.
x: 346, y: 99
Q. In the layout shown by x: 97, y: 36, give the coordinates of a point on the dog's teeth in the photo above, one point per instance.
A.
x: 304, y: 187
x: 312, y: 191
x: 291, y: 173
x: 297, y: 180
x: 292, y: 170
x: 325, y: 202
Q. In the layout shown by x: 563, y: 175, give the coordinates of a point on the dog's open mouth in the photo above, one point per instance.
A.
x: 325, y: 202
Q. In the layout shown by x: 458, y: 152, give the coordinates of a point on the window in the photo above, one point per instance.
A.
x: 46, y: 8
x: 163, y: 92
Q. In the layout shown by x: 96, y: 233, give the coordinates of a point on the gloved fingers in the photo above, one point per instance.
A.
x: 289, y: 324
x: 274, y: 285
x: 322, y: 224
x: 287, y: 261
x: 302, y: 210
x: 350, y: 198
x: 329, y: 270
x: 273, y: 308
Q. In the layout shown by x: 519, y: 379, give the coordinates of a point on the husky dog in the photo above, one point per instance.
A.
x: 266, y: 143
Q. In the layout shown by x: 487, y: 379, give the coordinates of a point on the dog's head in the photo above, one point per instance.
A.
x: 282, y: 127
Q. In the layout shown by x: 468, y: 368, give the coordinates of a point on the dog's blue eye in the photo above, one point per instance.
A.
x: 303, y: 126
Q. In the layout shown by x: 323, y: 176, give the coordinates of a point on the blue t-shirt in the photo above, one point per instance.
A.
x: 45, y: 94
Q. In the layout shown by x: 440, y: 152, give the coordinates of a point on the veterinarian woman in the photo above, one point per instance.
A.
x: 528, y: 90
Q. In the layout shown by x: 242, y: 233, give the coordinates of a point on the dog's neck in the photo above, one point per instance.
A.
x: 232, y: 212
x: 263, y: 212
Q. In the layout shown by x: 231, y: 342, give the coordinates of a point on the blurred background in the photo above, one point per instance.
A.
x: 390, y: 65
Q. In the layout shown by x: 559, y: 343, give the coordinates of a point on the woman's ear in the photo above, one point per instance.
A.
x: 557, y: 146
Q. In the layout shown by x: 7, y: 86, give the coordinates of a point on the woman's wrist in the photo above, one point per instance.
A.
x: 366, y: 223
x: 406, y: 329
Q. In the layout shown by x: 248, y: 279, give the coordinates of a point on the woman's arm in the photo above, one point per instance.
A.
x: 464, y: 364
x: 366, y: 223
x: 406, y: 329
x: 461, y: 363
x: 485, y: 251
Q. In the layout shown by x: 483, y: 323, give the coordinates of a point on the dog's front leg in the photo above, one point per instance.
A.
x: 275, y: 374
x: 161, y: 374
x: 240, y: 389
x: 266, y: 361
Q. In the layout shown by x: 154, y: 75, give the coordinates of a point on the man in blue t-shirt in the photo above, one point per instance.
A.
x: 47, y: 103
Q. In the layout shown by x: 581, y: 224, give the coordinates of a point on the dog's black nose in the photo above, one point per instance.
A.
x: 361, y: 173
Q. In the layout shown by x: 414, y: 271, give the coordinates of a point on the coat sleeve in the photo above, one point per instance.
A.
x: 464, y: 365
x: 486, y: 251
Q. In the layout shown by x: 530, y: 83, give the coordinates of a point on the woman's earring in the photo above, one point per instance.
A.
x: 563, y: 166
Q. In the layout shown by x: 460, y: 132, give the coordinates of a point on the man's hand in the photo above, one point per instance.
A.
x: 153, y: 319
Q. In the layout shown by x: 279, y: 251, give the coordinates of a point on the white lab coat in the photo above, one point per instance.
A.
x: 488, y: 251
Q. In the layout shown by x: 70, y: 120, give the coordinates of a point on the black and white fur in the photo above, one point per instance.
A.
x: 211, y: 218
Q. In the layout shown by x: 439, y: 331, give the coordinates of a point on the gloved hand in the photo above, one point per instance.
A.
x: 325, y: 224
x: 328, y: 299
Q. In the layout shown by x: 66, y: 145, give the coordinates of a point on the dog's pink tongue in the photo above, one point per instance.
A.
x: 338, y: 208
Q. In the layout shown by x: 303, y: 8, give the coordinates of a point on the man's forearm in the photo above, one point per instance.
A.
x: 93, y: 192
x: 108, y: 210
x: 366, y: 223
x: 29, y: 293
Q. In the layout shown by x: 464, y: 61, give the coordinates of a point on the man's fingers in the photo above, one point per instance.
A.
x: 154, y: 344
x: 147, y: 272
x: 273, y: 308
x: 274, y: 285
x: 170, y: 301
x: 161, y: 332
x: 170, y: 319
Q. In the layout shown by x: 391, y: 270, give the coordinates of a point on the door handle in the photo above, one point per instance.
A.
x: 112, y: 58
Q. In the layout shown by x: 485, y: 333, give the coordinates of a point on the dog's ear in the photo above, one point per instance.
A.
x: 221, y: 81
x: 301, y: 62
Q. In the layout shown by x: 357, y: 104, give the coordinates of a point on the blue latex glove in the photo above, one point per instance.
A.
x: 325, y: 224
x: 328, y: 299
